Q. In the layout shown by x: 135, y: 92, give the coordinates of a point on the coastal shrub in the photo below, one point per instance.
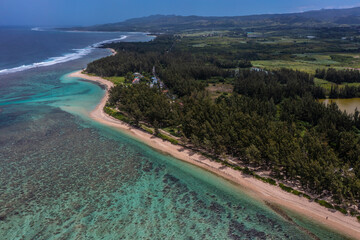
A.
x: 249, y: 172
x: 172, y: 131
x: 340, y: 209
x: 258, y: 177
x: 167, y: 138
x: 147, y: 129
x: 293, y: 191
x: 324, y: 203
x: 297, y: 193
x: 109, y: 111
x: 266, y: 180
x: 238, y: 168
x: 285, y: 188
x: 306, y: 196
x: 353, y: 212
x: 270, y: 181
x: 358, y: 218
x: 207, y: 155
x: 117, y: 115
x: 246, y: 170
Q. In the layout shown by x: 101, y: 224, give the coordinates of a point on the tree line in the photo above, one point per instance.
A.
x: 344, y: 92
x: 298, y: 140
x: 271, y: 121
x: 276, y: 85
x: 339, y: 76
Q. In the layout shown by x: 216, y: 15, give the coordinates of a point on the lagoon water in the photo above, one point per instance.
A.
x: 349, y: 104
x: 63, y: 176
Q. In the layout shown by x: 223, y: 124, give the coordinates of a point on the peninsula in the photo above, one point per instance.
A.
x: 196, y: 122
x: 245, y: 99
x: 269, y: 194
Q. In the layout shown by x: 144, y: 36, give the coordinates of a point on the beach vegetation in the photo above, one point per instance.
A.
x: 147, y: 129
x: 353, y: 212
x: 116, y: 114
x: 267, y: 119
x: 285, y: 188
x: 324, y: 203
x: 265, y: 179
x: 296, y: 192
x: 116, y: 80
x: 306, y: 196
x: 340, y: 209
x: 173, y: 131
x: 167, y: 138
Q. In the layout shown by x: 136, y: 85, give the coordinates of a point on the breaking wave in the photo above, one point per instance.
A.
x: 61, y: 59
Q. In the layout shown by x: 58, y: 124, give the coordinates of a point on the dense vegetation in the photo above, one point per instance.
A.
x: 143, y: 103
x: 339, y: 76
x: 276, y: 85
x: 179, y: 70
x: 270, y: 121
x: 345, y: 92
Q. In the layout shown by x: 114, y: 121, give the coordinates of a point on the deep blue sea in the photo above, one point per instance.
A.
x: 64, y: 176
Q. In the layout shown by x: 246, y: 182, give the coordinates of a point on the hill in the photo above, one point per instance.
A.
x: 175, y: 23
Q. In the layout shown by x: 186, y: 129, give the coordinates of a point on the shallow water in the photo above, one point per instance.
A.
x: 349, y: 104
x: 64, y: 176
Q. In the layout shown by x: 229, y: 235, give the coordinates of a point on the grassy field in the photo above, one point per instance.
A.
x: 277, y: 64
x: 310, y: 62
x: 324, y: 84
x: 216, y: 90
x: 277, y: 48
x: 202, y: 33
x: 327, y: 85
x: 116, y: 80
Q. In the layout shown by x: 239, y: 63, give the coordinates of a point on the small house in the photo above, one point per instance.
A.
x: 138, y: 75
x: 154, y: 80
x: 136, y: 80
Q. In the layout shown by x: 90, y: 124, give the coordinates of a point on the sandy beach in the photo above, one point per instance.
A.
x: 113, y: 51
x: 349, y: 226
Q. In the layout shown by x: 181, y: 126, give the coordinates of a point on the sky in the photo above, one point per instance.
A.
x: 90, y: 12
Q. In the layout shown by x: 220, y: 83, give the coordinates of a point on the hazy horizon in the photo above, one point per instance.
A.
x: 81, y: 13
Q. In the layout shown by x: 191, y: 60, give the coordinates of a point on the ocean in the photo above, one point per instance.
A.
x: 64, y: 176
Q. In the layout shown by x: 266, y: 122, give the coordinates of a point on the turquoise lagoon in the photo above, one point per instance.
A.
x: 64, y: 176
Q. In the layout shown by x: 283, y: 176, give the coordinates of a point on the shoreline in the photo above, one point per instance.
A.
x: 113, y: 51
x: 336, y: 221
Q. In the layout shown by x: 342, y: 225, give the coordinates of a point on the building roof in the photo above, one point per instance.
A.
x: 136, y: 80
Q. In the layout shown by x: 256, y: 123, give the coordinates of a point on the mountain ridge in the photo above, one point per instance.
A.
x: 174, y: 23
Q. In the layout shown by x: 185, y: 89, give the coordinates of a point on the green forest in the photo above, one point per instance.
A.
x: 339, y: 77
x: 270, y: 120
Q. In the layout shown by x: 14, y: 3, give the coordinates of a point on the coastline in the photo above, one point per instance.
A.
x: 113, y: 51
x: 348, y: 226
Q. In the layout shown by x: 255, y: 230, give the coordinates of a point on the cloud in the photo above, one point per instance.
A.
x: 343, y: 6
x: 313, y: 7
x: 306, y: 8
x: 350, y: 6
